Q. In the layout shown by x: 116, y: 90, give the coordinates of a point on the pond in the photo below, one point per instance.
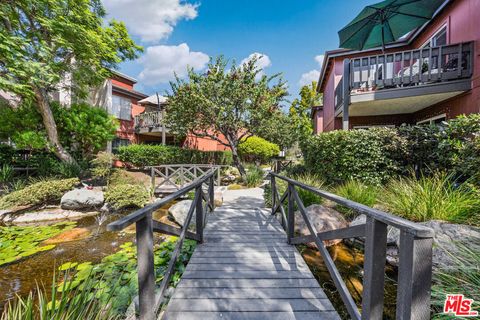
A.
x: 349, y: 262
x: 19, y: 278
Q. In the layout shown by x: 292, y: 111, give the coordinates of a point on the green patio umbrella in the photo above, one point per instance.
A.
x: 385, y: 22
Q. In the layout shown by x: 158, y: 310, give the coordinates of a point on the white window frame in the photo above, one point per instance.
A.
x: 439, y: 30
x: 432, y: 119
x: 118, y: 113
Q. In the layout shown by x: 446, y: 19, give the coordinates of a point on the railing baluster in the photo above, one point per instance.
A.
x: 459, y: 60
x: 211, y: 193
x: 146, y: 273
x: 291, y: 215
x: 374, y: 269
x: 273, y: 187
x: 414, y: 277
x: 199, y: 214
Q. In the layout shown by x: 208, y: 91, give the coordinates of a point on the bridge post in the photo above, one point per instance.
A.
x: 291, y: 214
x: 152, y: 179
x: 273, y: 186
x: 211, y: 193
x: 374, y: 269
x: 414, y: 277
x: 199, y: 213
x: 146, y: 272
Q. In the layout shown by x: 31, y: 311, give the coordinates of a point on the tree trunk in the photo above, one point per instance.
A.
x: 235, y: 157
x: 50, y: 126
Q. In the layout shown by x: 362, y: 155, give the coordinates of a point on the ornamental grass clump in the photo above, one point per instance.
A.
x: 67, y: 301
x: 42, y: 192
x: 358, y: 192
x: 434, y: 197
x: 463, y: 276
x: 254, y: 176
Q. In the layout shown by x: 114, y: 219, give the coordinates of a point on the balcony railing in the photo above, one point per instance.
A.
x: 148, y: 120
x: 408, y: 68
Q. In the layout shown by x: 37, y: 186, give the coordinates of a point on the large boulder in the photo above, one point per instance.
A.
x: 323, y: 219
x: 446, y: 242
x: 180, y: 210
x: 362, y: 219
x: 82, y: 199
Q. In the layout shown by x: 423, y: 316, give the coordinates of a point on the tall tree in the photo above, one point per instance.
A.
x: 301, y: 110
x: 46, y: 45
x: 230, y: 102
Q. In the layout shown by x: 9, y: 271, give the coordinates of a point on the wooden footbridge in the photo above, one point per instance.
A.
x: 247, y: 267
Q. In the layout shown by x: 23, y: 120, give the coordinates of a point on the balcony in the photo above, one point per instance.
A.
x: 404, y: 81
x: 149, y: 122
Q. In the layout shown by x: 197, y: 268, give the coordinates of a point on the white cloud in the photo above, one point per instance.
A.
x: 151, y: 20
x: 312, y: 75
x: 160, y: 63
x: 308, y: 77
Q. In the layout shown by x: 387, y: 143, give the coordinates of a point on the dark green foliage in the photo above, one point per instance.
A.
x: 256, y: 149
x: 370, y: 156
x: 6, y: 154
x: 83, y: 129
x: 151, y: 155
x: 375, y: 155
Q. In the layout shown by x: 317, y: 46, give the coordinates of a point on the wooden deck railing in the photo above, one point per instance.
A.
x: 148, y: 120
x: 408, y: 68
x: 149, y: 301
x: 415, y: 270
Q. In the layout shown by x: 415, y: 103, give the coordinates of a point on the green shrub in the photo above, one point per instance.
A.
x: 254, y: 176
x: 256, y: 149
x: 124, y: 196
x: 6, y: 154
x: 434, y: 197
x: 150, y: 155
x: 358, y: 192
x: 43, y: 192
x: 370, y: 156
x: 463, y: 276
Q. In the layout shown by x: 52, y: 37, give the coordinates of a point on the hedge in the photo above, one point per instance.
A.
x: 257, y: 149
x: 150, y: 155
x: 366, y: 155
x: 373, y: 156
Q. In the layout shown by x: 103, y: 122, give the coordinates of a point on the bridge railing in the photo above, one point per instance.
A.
x: 415, y: 258
x: 203, y: 203
x: 178, y: 175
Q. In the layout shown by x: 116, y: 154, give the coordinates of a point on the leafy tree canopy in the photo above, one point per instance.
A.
x: 232, y: 102
x: 300, y: 111
x: 49, y: 44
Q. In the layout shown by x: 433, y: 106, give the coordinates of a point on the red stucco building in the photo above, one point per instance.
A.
x: 140, y: 116
x: 431, y: 75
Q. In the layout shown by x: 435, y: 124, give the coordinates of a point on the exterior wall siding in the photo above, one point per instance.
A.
x: 461, y: 18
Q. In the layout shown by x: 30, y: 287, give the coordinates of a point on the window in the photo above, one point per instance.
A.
x: 438, y: 39
x: 121, y: 108
x: 117, y: 143
x: 437, y: 120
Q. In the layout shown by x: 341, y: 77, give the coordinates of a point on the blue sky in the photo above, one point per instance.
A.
x: 174, y: 33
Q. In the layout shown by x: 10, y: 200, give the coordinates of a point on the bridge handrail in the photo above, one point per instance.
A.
x: 415, y: 257
x: 149, y: 302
